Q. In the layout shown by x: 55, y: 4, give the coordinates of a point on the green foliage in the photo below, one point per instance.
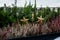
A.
x: 27, y: 11
x: 5, y: 17
x: 15, y: 13
x: 58, y: 13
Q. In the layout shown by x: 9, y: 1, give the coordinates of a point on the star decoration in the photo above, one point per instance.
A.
x: 24, y: 20
x: 40, y: 19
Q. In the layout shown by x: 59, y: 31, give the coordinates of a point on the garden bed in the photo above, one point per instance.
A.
x: 30, y: 30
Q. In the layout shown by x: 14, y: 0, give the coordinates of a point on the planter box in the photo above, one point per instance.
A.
x: 39, y: 37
